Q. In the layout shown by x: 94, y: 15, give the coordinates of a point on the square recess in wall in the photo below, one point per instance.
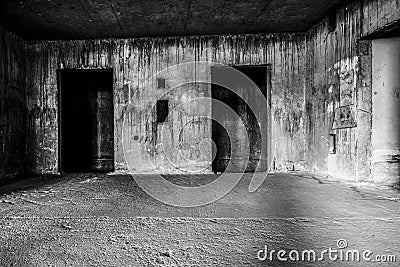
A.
x: 160, y: 83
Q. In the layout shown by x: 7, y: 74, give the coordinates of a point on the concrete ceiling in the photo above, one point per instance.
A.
x: 83, y: 19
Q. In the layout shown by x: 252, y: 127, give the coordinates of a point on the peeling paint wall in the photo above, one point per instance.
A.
x: 339, y: 75
x: 136, y: 64
x: 12, y: 104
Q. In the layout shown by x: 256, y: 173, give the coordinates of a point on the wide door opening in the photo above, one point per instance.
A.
x: 246, y: 149
x: 86, y: 121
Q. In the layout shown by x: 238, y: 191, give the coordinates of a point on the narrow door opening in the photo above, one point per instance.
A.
x: 238, y: 148
x: 86, y: 121
x: 162, y: 111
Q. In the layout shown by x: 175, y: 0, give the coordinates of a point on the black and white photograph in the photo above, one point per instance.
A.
x: 199, y: 133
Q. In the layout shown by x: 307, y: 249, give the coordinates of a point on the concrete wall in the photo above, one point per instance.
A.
x: 339, y: 79
x: 137, y: 63
x: 321, y: 86
x: 12, y: 105
x: 377, y: 15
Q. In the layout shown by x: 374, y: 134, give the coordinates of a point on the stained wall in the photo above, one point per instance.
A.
x: 12, y: 105
x: 338, y: 97
x: 137, y: 63
x: 321, y: 87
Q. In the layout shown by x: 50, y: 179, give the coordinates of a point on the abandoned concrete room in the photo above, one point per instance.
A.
x: 199, y: 133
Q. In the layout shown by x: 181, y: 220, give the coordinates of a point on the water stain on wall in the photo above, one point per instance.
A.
x: 12, y: 105
x: 312, y: 75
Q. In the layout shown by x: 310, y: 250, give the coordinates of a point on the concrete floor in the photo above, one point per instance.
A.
x: 107, y: 220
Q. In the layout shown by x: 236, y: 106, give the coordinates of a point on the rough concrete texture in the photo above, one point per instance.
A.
x: 72, y: 19
x: 375, y: 16
x: 339, y: 74
x: 313, y: 75
x: 332, y: 74
x: 107, y: 220
x: 137, y: 63
x: 12, y: 104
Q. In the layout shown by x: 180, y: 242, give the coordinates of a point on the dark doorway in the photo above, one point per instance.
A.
x: 86, y: 120
x: 236, y: 150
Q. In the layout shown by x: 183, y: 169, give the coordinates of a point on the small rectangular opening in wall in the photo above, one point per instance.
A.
x: 160, y: 83
x: 332, y: 143
x: 162, y: 110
